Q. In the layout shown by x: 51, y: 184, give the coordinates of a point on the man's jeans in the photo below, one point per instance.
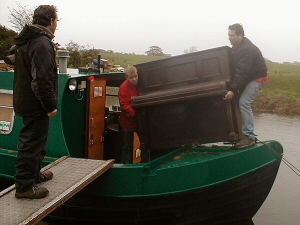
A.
x: 247, y: 98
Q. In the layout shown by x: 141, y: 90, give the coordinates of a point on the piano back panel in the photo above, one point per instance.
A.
x: 174, y: 124
x: 199, y: 67
x: 181, y: 100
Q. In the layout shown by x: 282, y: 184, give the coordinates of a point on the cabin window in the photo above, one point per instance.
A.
x: 112, y: 99
x: 6, y: 111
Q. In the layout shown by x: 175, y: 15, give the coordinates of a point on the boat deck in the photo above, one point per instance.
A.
x: 70, y: 176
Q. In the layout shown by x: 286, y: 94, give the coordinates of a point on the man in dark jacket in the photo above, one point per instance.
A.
x: 250, y: 76
x: 35, y: 99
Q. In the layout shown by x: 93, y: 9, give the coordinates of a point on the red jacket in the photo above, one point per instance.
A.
x: 127, y: 120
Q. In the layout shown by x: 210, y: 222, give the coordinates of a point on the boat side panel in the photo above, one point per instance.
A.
x: 56, y: 145
x: 223, y: 203
x: 8, y: 162
x: 185, y: 172
x: 9, y: 141
x: 6, y: 80
x: 74, y: 120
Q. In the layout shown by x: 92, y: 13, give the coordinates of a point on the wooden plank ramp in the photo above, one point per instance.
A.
x: 70, y: 176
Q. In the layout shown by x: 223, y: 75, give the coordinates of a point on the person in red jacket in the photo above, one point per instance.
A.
x: 128, y: 123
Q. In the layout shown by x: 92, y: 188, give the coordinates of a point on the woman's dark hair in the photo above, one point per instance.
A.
x: 239, y: 30
x: 43, y: 15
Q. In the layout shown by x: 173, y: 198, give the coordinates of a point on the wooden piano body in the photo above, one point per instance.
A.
x: 181, y: 100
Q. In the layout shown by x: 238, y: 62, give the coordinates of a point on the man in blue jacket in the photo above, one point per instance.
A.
x: 35, y: 99
x: 250, y: 76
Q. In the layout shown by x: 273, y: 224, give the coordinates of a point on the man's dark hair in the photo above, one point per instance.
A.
x: 43, y: 15
x: 239, y: 30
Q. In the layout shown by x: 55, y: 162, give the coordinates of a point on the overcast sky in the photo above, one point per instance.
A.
x: 132, y: 26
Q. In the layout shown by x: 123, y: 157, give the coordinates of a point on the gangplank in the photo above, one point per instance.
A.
x: 70, y: 176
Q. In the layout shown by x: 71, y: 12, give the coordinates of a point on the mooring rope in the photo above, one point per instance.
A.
x: 285, y: 161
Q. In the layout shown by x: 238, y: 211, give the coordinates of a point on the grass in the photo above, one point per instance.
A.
x: 281, y: 94
x: 124, y: 60
x: 129, y: 59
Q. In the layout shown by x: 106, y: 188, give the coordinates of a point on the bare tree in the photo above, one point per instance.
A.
x: 73, y: 46
x: 20, y: 16
x: 192, y: 49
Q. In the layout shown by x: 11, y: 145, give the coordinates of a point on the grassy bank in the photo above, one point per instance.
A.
x: 128, y: 59
x: 281, y: 94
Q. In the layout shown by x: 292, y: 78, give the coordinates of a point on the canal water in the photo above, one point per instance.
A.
x: 282, y: 206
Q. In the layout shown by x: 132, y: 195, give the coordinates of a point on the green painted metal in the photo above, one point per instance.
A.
x: 6, y: 79
x: 73, y: 121
x: 8, y: 161
x: 56, y: 146
x: 9, y: 141
x: 67, y: 128
x: 199, y: 168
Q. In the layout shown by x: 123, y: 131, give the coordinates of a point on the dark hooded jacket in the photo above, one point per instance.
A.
x: 248, y: 64
x: 35, y: 73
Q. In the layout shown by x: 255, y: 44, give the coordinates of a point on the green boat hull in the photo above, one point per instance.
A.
x: 188, y: 186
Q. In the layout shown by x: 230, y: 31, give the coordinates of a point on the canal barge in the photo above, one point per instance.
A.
x: 194, y: 175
